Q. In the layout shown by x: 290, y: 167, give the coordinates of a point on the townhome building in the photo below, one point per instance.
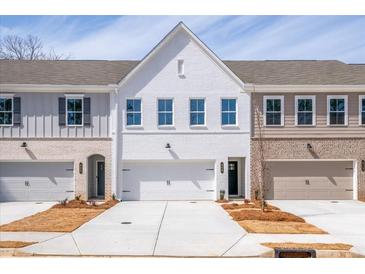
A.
x: 181, y: 124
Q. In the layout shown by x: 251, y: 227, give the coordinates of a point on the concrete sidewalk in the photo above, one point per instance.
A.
x: 344, y: 220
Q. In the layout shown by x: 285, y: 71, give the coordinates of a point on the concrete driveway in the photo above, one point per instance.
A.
x: 343, y: 219
x: 12, y: 211
x: 150, y: 229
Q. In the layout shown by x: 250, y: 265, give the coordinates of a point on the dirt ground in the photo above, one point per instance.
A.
x: 318, y: 246
x: 59, y: 218
x: 265, y: 227
x: 14, y: 244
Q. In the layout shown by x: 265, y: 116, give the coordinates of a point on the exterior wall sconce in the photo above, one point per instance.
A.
x: 168, y: 146
x: 309, y: 146
x: 81, y: 168
x: 363, y: 165
x: 222, y: 167
x: 24, y: 144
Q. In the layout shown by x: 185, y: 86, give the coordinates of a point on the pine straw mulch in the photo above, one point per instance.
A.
x: 318, y: 246
x: 59, y: 218
x: 14, y: 244
x: 270, y: 221
x: 268, y: 227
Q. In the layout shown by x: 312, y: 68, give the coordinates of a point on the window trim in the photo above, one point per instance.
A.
x: 173, y: 113
x: 75, y: 96
x: 126, y: 113
x: 361, y: 97
x: 282, y: 106
x: 205, y: 112
x: 9, y: 96
x: 221, y: 111
x: 345, y: 97
x: 313, y: 98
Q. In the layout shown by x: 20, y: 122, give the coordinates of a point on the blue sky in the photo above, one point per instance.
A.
x: 230, y: 37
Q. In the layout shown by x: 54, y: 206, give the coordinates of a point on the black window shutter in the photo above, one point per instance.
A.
x: 87, y: 116
x: 17, y: 119
x: 62, y: 111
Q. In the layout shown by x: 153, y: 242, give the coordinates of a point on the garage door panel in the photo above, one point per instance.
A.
x: 36, y: 181
x: 310, y: 180
x: 168, y: 181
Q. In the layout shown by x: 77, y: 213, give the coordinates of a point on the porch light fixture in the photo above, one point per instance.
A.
x: 81, y: 168
x: 222, y: 167
x: 168, y: 146
x: 309, y: 146
x: 24, y: 144
x: 363, y: 165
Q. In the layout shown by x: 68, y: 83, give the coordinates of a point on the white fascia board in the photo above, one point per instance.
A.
x: 56, y: 88
x: 170, y: 35
x: 303, y: 88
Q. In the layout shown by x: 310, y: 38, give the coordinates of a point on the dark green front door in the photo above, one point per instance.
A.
x: 101, y: 178
x: 232, y: 178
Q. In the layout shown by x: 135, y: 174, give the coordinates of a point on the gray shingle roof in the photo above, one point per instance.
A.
x: 87, y: 72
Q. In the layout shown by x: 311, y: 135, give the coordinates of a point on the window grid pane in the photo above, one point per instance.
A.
x: 74, y: 112
x: 134, y: 112
x: 305, y: 112
x: 197, y: 111
x: 363, y: 111
x: 337, y: 111
x: 273, y: 112
x: 165, y: 112
x: 229, y: 111
x: 6, y: 111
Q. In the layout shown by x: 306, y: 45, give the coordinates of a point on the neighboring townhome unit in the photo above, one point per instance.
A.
x: 311, y: 120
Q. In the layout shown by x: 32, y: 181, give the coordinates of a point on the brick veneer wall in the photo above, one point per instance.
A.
x: 76, y: 150
x: 296, y: 148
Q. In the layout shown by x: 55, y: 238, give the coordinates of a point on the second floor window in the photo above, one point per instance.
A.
x: 229, y: 112
x: 165, y: 112
x: 273, y: 110
x: 337, y: 110
x: 305, y: 110
x: 6, y: 111
x: 197, y: 112
x: 362, y: 110
x: 74, y: 110
x: 134, y: 112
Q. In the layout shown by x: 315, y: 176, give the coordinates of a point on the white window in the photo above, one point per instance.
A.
x: 134, y: 112
x: 180, y: 67
x: 362, y: 110
x: 165, y: 112
x: 6, y: 111
x: 74, y: 110
x: 305, y: 110
x: 337, y: 110
x: 274, y: 110
x: 229, y: 112
x: 197, y: 112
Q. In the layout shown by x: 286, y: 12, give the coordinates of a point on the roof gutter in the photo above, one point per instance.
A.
x: 56, y: 88
x: 249, y: 87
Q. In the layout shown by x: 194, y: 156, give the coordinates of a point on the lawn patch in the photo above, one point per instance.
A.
x: 14, y: 244
x: 269, y: 227
x: 318, y: 246
x: 59, y: 218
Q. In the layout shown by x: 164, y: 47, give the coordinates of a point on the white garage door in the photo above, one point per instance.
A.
x: 36, y: 181
x: 168, y: 181
x: 329, y: 180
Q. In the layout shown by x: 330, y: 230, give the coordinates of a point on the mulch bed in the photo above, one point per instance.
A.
x: 318, y: 246
x: 275, y: 215
x: 15, y: 244
x: 266, y: 227
x: 255, y: 204
x: 59, y: 218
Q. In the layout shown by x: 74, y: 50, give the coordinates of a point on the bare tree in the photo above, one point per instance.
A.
x: 14, y: 47
x: 263, y: 167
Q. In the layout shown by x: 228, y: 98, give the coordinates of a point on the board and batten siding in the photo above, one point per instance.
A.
x: 39, y: 118
x: 321, y: 129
